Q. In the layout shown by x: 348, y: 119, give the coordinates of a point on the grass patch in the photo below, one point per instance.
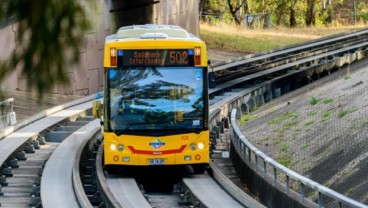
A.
x: 246, y: 118
x: 279, y: 138
x: 347, y: 75
x: 304, y: 147
x: 328, y: 184
x: 232, y: 38
x: 285, y: 161
x: 309, y: 123
x: 326, y: 116
x: 314, y: 101
x: 290, y: 123
x: 342, y: 113
x: 284, y: 147
x: 283, y: 117
x: 365, y: 197
x: 364, y: 124
x: 312, y: 113
x: 228, y: 42
x: 264, y: 139
x: 328, y: 100
x: 362, y: 146
x: 237, y: 40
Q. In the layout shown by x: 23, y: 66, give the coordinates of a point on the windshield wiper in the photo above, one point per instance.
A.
x: 128, y: 128
x: 197, y: 131
x: 132, y: 128
x: 181, y: 129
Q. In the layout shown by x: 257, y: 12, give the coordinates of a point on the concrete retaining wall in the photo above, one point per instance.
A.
x: 86, y: 78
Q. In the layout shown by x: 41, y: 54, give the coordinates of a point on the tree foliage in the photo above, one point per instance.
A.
x: 234, y: 8
x: 293, y: 13
x: 49, y: 35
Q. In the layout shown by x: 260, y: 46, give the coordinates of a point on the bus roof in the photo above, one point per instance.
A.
x: 151, y: 31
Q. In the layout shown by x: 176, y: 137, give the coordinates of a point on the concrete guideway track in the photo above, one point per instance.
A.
x: 120, y: 191
x: 208, y: 192
x: 19, y: 177
x: 58, y: 188
x: 13, y: 141
x: 57, y: 185
x: 295, y: 49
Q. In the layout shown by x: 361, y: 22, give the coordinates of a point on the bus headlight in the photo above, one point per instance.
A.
x: 200, y: 145
x: 193, y: 146
x: 120, y: 148
x: 112, y: 147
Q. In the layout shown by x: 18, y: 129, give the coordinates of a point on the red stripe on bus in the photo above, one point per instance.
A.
x: 164, y: 152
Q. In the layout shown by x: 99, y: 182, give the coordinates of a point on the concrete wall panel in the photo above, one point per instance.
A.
x: 7, y: 42
x: 92, y: 47
x: 100, y: 72
x: 184, y: 13
x: 11, y: 82
x: 22, y: 85
x: 80, y: 74
x: 93, y: 80
x: 65, y: 90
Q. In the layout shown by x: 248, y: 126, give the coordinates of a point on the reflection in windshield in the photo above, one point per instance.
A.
x: 149, y: 98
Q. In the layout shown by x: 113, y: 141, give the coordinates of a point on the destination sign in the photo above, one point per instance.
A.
x: 169, y: 57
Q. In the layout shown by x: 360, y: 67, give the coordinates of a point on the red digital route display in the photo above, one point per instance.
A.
x: 170, y: 57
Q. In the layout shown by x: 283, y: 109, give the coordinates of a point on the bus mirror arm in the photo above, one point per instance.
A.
x: 211, y: 76
x: 96, y: 109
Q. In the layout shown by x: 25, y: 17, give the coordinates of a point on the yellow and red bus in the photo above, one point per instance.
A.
x: 155, y: 98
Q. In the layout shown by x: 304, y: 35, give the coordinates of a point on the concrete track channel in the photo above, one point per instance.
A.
x: 56, y: 150
x: 253, y: 63
x: 245, y: 93
x: 26, y: 147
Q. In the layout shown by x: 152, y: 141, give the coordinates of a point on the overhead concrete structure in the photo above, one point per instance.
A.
x: 106, y: 17
x: 184, y: 13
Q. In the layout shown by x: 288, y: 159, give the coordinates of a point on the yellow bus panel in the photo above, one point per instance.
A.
x: 173, y: 150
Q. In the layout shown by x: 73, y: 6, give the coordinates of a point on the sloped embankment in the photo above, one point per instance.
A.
x: 321, y: 133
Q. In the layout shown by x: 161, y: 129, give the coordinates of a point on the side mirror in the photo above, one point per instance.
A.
x: 96, y: 109
x: 211, y: 80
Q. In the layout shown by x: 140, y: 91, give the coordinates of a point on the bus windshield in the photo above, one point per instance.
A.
x: 155, y: 99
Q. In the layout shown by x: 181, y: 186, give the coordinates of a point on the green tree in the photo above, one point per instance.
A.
x: 234, y: 7
x: 49, y: 35
x: 310, y: 18
x: 213, y: 10
x: 292, y: 13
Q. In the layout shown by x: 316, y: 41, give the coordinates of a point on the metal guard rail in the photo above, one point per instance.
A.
x: 242, y: 143
x: 8, y: 117
x: 9, y: 102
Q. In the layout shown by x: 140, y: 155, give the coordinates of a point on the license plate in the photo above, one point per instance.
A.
x: 156, y: 161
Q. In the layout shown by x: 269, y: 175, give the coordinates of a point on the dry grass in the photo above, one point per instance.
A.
x: 234, y: 38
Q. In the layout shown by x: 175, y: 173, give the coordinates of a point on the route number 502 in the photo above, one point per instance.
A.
x: 178, y: 57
